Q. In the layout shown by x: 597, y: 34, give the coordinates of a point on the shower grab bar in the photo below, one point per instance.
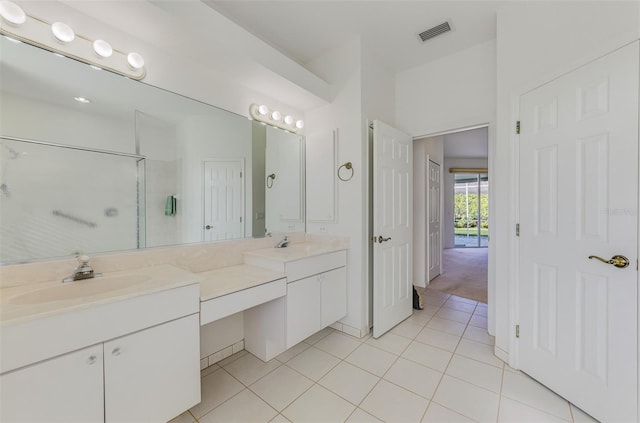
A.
x: 74, y: 218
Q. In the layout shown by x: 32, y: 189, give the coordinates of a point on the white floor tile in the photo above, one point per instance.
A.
x: 390, y: 342
x: 361, y: 416
x: 234, y: 357
x: 522, y: 388
x: 337, y: 344
x: 469, y: 400
x: 516, y: 412
x: 318, y: 335
x: 371, y: 359
x: 448, y: 326
x: 434, y: 301
x: 427, y: 355
x: 292, y: 352
x: 438, y: 339
x: 209, y: 370
x: 350, y: 382
x: 580, y: 416
x: 216, y: 388
x: 478, y: 351
x: 439, y: 414
x: 318, y: 405
x: 462, y: 300
x: 409, y: 328
x: 481, y: 311
x: 457, y: 305
x: 390, y: 403
x: 185, y: 417
x: 428, y: 309
x: 479, y: 335
x: 248, y: 368
x: 455, y: 315
x: 415, y: 377
x: 313, y: 363
x: 478, y: 321
x: 281, y: 387
x: 244, y: 407
x: 475, y: 372
x: 421, y: 316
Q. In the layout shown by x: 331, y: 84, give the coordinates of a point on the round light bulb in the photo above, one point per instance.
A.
x: 299, y: 124
x: 263, y: 110
x: 276, y: 115
x: 135, y: 61
x: 12, y: 13
x: 102, y: 48
x: 63, y: 32
x: 288, y: 119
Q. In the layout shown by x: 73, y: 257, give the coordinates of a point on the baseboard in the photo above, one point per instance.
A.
x: 212, y: 359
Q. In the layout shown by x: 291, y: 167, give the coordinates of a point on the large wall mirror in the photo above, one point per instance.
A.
x: 91, y: 161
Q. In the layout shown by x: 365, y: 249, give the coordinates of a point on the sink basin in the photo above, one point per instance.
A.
x: 79, y: 289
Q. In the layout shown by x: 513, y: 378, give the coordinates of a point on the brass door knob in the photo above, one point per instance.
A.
x: 617, y: 261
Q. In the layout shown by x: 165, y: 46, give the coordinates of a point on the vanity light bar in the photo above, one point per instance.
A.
x: 60, y: 38
x: 263, y: 114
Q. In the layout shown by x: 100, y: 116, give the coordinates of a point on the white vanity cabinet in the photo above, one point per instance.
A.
x: 316, y: 298
x: 142, y: 363
x: 68, y: 388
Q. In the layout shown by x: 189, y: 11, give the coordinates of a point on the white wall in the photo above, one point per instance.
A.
x: 448, y: 192
x: 536, y: 42
x: 424, y: 149
x: 454, y: 92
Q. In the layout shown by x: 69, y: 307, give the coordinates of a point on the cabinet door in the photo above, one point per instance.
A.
x: 64, y: 389
x: 153, y: 375
x: 333, y: 297
x: 303, y: 309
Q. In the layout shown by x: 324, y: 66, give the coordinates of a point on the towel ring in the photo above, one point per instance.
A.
x: 347, y: 166
x: 270, y: 179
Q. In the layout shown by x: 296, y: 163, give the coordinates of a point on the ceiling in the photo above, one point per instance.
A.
x: 471, y: 144
x: 306, y: 29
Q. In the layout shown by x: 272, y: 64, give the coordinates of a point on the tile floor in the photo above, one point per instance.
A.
x: 436, y: 366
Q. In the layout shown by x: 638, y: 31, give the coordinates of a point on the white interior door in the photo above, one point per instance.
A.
x: 392, y: 224
x: 433, y: 224
x: 578, y: 198
x: 223, y: 200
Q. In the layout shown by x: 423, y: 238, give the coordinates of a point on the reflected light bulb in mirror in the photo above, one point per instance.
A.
x: 288, y: 119
x: 62, y: 32
x: 263, y: 110
x: 102, y: 48
x: 135, y: 61
x: 276, y: 115
x: 299, y: 124
x: 12, y: 13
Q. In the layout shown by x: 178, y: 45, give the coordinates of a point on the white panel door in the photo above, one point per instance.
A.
x: 64, y: 389
x: 392, y: 227
x: 578, y: 198
x: 434, y: 247
x: 153, y: 375
x: 223, y: 200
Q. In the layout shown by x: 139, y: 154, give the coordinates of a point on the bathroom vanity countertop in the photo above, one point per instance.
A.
x: 295, y: 251
x: 26, y: 302
x: 228, y: 280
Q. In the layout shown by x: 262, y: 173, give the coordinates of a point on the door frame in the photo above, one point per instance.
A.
x: 512, y: 357
x: 243, y: 207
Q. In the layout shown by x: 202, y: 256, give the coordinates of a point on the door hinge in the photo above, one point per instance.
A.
x: 517, y: 331
x: 517, y: 229
x: 517, y: 127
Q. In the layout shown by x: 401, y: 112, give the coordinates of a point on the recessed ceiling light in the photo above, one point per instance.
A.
x: 12, y: 13
x: 63, y: 32
x: 82, y: 100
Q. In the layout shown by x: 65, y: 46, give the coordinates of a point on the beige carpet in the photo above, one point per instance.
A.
x: 464, y: 273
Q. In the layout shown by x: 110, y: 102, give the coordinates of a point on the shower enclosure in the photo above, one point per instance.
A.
x: 56, y: 200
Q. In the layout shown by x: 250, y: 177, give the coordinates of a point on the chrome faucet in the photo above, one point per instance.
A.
x: 283, y: 243
x: 83, y: 271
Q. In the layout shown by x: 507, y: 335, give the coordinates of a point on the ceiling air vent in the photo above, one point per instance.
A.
x: 435, y: 31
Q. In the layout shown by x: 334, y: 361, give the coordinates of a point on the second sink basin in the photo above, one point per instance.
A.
x: 79, y: 289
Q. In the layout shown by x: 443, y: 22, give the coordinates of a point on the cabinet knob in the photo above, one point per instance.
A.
x: 92, y: 360
x: 116, y: 351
